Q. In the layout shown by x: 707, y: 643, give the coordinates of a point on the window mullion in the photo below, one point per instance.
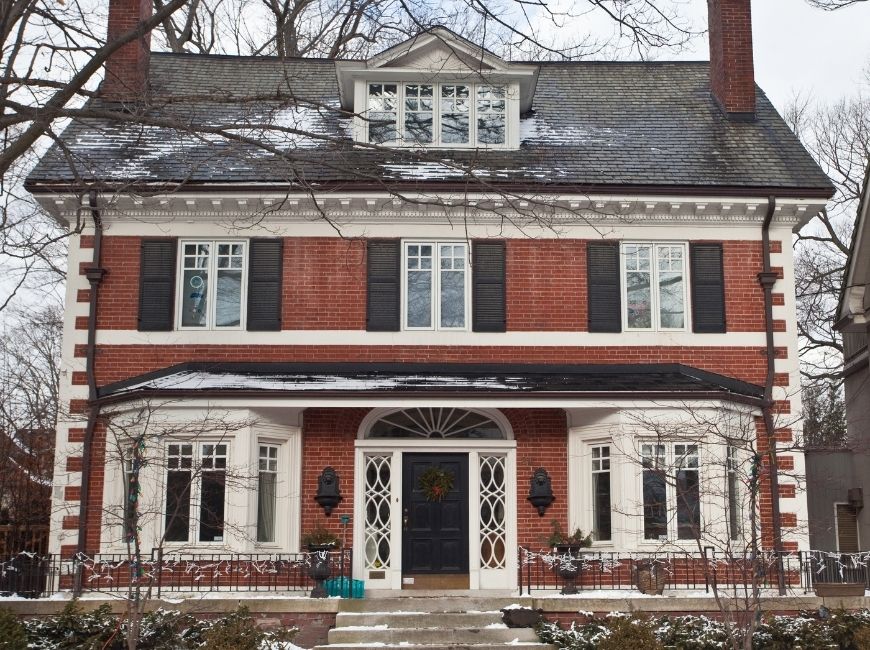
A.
x: 213, y: 284
x: 654, y: 287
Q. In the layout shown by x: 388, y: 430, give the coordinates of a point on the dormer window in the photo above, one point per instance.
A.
x: 437, y: 115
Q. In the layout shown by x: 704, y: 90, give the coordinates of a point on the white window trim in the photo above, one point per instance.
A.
x: 289, y: 443
x: 195, y: 495
x: 212, y: 273
x: 436, y: 143
x: 435, y: 305
x: 671, y: 491
x: 654, y: 291
x: 581, y: 510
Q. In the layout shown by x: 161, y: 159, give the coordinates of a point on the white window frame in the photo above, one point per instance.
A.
x: 436, y: 115
x: 195, y: 494
x: 670, y: 460
x: 654, y: 287
x: 435, y: 304
x: 591, y: 483
x: 212, y: 275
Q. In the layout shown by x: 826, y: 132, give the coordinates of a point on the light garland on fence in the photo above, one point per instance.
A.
x: 841, y: 562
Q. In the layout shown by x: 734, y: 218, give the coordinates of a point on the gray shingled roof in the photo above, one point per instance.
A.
x: 592, y: 124
x: 448, y: 378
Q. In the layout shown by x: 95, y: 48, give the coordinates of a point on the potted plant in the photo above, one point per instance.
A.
x: 650, y: 576
x: 566, y: 549
x: 319, y: 542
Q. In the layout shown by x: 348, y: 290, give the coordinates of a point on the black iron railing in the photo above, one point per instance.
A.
x: 32, y: 575
x: 538, y: 570
x: 160, y: 571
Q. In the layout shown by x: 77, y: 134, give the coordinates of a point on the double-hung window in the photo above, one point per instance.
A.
x: 267, y: 492
x: 671, y: 491
x: 601, y: 493
x: 195, y: 492
x: 436, y: 285
x: 211, y: 289
x: 437, y: 114
x: 732, y: 478
x: 654, y: 277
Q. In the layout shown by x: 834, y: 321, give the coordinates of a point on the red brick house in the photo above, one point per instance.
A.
x: 444, y: 265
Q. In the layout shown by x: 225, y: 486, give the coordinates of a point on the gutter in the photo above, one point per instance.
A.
x: 94, y: 275
x: 767, y: 278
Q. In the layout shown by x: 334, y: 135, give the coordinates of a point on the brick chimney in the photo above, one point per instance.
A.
x: 127, y: 68
x: 732, y: 76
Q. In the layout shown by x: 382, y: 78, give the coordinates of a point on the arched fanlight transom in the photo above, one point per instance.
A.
x: 436, y: 423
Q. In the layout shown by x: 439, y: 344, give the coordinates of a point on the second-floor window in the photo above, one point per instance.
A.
x: 436, y: 285
x: 444, y: 114
x: 212, y: 284
x: 655, y: 286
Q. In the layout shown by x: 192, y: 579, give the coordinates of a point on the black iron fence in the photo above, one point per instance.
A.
x: 34, y: 576
x: 589, y: 570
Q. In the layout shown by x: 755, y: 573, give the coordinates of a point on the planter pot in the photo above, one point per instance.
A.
x: 650, y: 577
x: 319, y: 567
x: 828, y: 589
x: 522, y: 616
x: 568, y: 569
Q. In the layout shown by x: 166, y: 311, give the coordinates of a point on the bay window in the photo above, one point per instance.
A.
x: 195, y: 482
x: 211, y: 284
x: 671, y: 486
x: 654, y: 277
x: 437, y: 114
x: 436, y: 285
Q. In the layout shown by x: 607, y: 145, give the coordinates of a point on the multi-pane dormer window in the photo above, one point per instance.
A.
x: 437, y: 114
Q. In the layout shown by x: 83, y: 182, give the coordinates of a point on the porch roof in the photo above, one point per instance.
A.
x: 450, y: 379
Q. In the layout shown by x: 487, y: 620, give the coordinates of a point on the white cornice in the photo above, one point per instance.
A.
x: 369, y: 208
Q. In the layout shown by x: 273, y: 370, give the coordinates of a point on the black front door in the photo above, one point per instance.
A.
x: 434, y: 533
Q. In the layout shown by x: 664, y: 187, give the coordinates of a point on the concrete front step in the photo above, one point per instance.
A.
x: 441, y: 646
x: 430, y: 636
x: 456, y: 604
x: 417, y: 619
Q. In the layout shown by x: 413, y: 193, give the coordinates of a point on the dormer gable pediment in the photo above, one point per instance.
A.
x: 437, y: 49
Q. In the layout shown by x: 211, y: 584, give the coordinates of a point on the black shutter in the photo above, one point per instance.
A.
x: 602, y: 281
x: 157, y: 285
x: 265, y: 267
x: 708, y: 288
x: 383, y: 259
x: 488, y: 287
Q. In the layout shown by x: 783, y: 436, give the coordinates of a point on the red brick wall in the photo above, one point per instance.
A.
x: 542, y: 441
x: 546, y: 288
x: 117, y: 362
x: 325, y: 285
x: 328, y: 440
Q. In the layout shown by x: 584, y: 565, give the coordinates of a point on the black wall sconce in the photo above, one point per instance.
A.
x: 541, y: 491
x: 328, y: 493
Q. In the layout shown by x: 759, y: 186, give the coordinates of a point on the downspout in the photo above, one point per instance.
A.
x: 94, y: 275
x: 767, y: 278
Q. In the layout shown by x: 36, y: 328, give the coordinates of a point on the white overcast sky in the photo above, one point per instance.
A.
x: 800, y: 49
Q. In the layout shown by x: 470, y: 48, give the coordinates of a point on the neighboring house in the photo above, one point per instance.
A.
x: 26, y: 459
x: 838, y: 479
x: 537, y: 257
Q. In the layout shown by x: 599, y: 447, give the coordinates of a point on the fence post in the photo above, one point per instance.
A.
x: 159, y: 568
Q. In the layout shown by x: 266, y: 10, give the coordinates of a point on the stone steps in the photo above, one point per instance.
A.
x: 433, y: 623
